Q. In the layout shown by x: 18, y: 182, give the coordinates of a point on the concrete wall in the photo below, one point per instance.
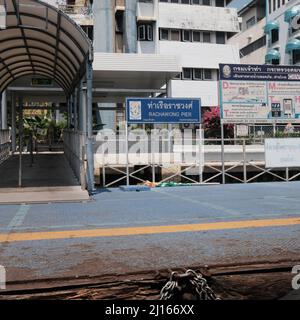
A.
x: 250, y: 35
x: 197, y: 17
x: 200, y: 55
x: 206, y: 90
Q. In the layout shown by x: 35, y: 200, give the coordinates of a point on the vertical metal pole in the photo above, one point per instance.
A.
x: 20, y: 139
x: 75, y: 107
x: 104, y: 173
x: 89, y: 142
x: 13, y: 122
x: 152, y: 146
x: 1, y: 110
x: 4, y: 111
x: 222, y: 153
x: 200, y: 146
x: 68, y: 113
x: 81, y: 111
x: 244, y: 161
x: 287, y: 178
x: 71, y: 110
x: 127, y: 155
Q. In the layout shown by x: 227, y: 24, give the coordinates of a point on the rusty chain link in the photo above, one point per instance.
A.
x: 187, y: 286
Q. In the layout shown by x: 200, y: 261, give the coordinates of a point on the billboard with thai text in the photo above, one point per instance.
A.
x: 259, y: 92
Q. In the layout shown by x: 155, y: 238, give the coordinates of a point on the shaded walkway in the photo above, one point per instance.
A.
x: 50, y: 178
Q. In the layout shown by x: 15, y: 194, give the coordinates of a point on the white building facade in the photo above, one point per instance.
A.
x: 283, y: 41
x: 197, y: 32
x: 251, y: 39
x: 166, y: 37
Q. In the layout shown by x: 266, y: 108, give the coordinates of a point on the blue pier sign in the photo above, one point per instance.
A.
x: 163, y: 110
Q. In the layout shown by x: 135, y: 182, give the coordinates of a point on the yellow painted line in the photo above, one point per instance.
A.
x: 117, y: 232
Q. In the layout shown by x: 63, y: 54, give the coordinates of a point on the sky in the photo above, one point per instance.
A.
x: 238, y: 3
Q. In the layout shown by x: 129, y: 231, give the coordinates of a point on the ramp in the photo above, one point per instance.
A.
x: 48, y: 179
x: 43, y: 195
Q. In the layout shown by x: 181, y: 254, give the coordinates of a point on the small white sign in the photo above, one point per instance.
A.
x: 242, y: 130
x: 282, y: 153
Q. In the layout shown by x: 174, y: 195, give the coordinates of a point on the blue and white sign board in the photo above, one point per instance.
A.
x: 163, y: 110
x: 254, y: 93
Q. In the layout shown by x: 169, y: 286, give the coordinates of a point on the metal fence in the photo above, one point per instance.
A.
x: 130, y: 157
x: 193, y: 160
x: 4, y: 145
x: 74, y: 150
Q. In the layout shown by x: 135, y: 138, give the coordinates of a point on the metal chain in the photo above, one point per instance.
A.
x: 188, y: 282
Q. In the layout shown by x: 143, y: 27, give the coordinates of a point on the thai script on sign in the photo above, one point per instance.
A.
x: 163, y: 105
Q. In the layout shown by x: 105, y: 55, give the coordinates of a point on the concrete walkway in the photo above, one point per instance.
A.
x: 49, y: 179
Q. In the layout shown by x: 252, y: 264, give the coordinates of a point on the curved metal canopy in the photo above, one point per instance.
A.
x: 271, y: 25
x: 272, y: 54
x: 39, y: 39
x: 291, y: 13
x: 292, y: 45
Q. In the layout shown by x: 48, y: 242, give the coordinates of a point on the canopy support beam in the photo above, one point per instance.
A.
x: 89, y: 124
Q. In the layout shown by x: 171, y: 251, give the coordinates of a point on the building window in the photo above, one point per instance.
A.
x: 195, y: 1
x: 197, y: 74
x: 274, y: 35
x: 206, y: 37
x: 275, y: 61
x: 196, y: 36
x: 185, y: 1
x: 220, y: 3
x: 89, y: 30
x: 270, y: 6
x: 174, y: 1
x: 175, y: 35
x: 278, y: 3
x: 274, y: 5
x: 164, y: 34
x: 207, y: 74
x: 119, y: 21
x: 250, y: 22
x: 206, y: 2
x: 187, y: 74
x: 145, y: 32
x: 255, y: 45
x: 296, y: 56
x: 186, y: 35
x: 220, y: 37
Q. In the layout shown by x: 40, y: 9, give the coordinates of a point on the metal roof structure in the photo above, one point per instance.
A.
x: 39, y: 39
